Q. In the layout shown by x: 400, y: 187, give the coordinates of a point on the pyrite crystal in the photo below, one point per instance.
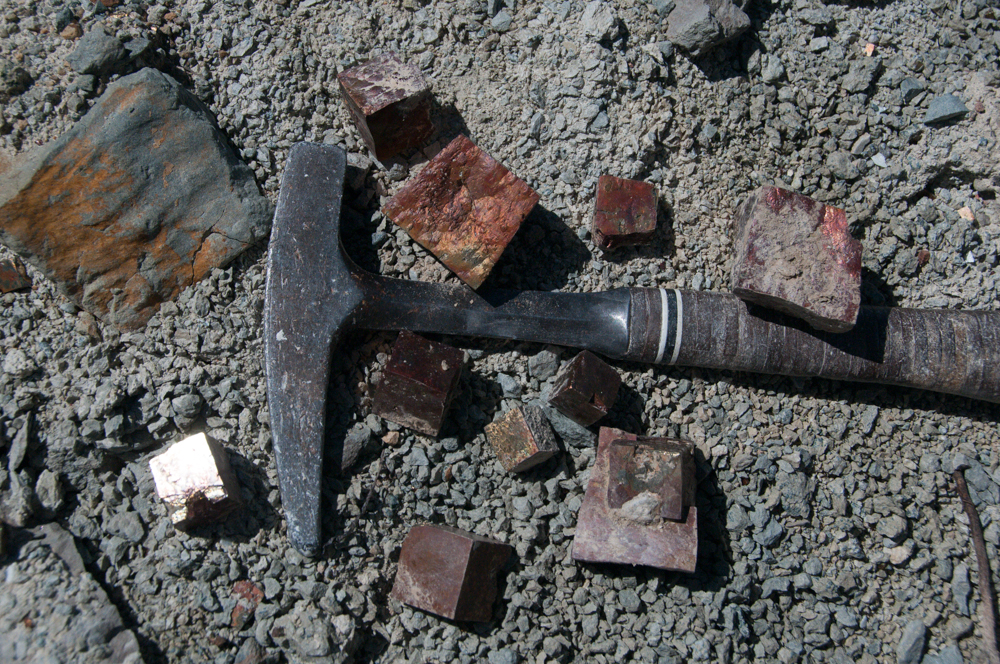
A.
x: 464, y: 207
x: 639, y: 506
x: 418, y: 383
x: 450, y: 572
x: 585, y: 389
x: 195, y: 479
x: 390, y: 102
x: 796, y: 255
x: 522, y: 438
x: 624, y: 212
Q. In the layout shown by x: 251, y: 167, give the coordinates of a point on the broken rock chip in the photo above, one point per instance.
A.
x: 195, y: 479
x: 140, y: 199
x: 624, y: 212
x: 418, y: 383
x: 450, y: 572
x: 464, y: 207
x: 639, y: 506
x: 797, y: 255
x: 13, y: 275
x: 698, y: 26
x: 585, y: 389
x: 390, y: 102
x: 522, y: 438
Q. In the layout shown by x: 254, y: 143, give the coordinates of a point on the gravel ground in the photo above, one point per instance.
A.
x: 831, y: 530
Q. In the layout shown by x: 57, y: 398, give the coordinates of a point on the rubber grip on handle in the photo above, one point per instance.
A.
x: 956, y: 352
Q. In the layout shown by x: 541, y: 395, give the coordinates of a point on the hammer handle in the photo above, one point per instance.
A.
x: 956, y: 352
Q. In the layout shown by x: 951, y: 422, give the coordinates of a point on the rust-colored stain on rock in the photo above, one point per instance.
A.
x: 464, y: 207
x: 797, y: 255
x: 585, y: 389
x: 97, y: 214
x: 633, y: 495
x: 418, y: 383
x: 624, y: 212
x: 450, y: 572
x: 522, y: 438
x: 390, y: 102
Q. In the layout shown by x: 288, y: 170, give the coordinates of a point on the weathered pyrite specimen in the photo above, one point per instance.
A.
x: 585, y: 389
x: 639, y: 506
x: 522, y: 438
x: 464, y: 207
x: 13, y: 275
x: 450, y: 572
x: 141, y: 198
x: 418, y: 383
x: 195, y: 479
x: 624, y: 212
x: 390, y: 102
x: 796, y: 255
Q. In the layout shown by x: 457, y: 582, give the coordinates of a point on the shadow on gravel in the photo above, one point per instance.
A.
x: 543, y: 255
x: 626, y: 414
x: 449, y: 123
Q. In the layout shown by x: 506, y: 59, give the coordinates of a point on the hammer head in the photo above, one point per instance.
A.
x: 311, y: 296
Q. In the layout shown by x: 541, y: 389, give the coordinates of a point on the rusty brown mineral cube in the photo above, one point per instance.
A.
x: 522, y: 438
x: 196, y: 481
x: 796, y: 255
x: 418, y: 383
x: 13, y: 275
x: 639, y: 506
x: 624, y: 212
x: 450, y: 572
x: 464, y: 207
x: 390, y: 102
x: 585, y: 389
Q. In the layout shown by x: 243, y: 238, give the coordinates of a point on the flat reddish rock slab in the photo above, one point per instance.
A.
x: 450, y: 572
x: 140, y: 199
x: 13, y: 275
x: 464, y: 207
x: 632, y: 493
x: 796, y: 255
x: 390, y: 102
x: 522, y: 438
x: 418, y: 383
x: 195, y: 479
x: 624, y: 212
x: 585, y: 389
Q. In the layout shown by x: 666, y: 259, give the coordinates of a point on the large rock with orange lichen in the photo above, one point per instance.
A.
x: 140, y: 199
x: 797, y: 255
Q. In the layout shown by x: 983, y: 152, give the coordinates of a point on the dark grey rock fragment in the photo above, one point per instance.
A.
x: 909, y: 88
x: 13, y: 79
x: 697, y: 26
x: 97, y: 52
x: 910, y: 649
x: 862, y: 74
x: 945, y: 108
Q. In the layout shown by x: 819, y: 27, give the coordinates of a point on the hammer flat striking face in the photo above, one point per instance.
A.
x: 315, y: 291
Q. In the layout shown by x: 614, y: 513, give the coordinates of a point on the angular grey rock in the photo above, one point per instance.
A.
x: 187, y: 405
x: 355, y: 442
x: 569, y: 432
x: 945, y: 108
x: 502, y: 21
x: 771, y: 533
x: 961, y: 588
x: 127, y: 526
x: 773, y: 69
x: 510, y: 385
x: 950, y: 654
x: 18, y: 504
x: 97, y: 52
x: 14, y: 79
x: 893, y: 527
x: 775, y: 584
x: 909, y: 89
x: 862, y: 74
x: 697, y: 26
x: 599, y: 21
x: 49, y: 490
x: 141, y: 198
x: 544, y: 365
x: 303, y: 630
x: 842, y: 166
x: 910, y: 649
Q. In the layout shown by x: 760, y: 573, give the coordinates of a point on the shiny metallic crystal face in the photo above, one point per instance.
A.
x: 195, y: 479
x: 624, y: 212
x: 450, y: 572
x: 464, y: 207
x: 522, y: 438
x: 585, y: 389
